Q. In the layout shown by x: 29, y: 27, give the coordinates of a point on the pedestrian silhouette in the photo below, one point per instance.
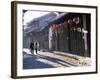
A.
x: 36, y: 46
x: 32, y: 47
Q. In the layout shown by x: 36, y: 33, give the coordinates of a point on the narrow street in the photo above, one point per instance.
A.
x: 52, y: 60
x: 62, y: 37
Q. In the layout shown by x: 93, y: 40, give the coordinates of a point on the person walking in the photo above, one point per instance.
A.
x: 32, y: 47
x: 36, y: 46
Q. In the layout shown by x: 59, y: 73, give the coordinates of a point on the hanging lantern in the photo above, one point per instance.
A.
x: 54, y: 27
x: 76, y: 20
x: 61, y: 26
x: 65, y: 23
x: 70, y: 21
x: 51, y: 28
x: 57, y: 26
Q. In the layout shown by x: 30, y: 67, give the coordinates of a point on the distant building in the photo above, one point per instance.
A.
x: 37, y: 29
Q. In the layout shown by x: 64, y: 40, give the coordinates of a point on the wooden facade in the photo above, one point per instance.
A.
x: 70, y: 36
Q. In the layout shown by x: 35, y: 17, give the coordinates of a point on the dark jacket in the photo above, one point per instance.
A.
x: 32, y: 46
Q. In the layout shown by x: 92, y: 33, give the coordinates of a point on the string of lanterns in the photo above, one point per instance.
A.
x: 75, y: 20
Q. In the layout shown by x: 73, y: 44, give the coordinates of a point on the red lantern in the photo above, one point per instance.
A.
x: 70, y: 21
x: 61, y: 26
x: 76, y: 20
x: 65, y: 23
x: 54, y: 27
x: 57, y: 26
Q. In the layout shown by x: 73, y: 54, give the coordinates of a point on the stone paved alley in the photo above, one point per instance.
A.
x: 52, y: 60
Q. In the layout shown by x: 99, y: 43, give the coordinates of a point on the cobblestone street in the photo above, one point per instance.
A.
x: 52, y: 59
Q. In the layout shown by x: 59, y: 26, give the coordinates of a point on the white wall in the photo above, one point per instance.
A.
x: 5, y: 40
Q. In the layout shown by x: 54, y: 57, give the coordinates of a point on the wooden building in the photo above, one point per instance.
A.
x: 71, y: 33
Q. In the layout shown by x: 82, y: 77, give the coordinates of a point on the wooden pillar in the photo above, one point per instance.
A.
x: 50, y: 38
x: 85, y: 36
